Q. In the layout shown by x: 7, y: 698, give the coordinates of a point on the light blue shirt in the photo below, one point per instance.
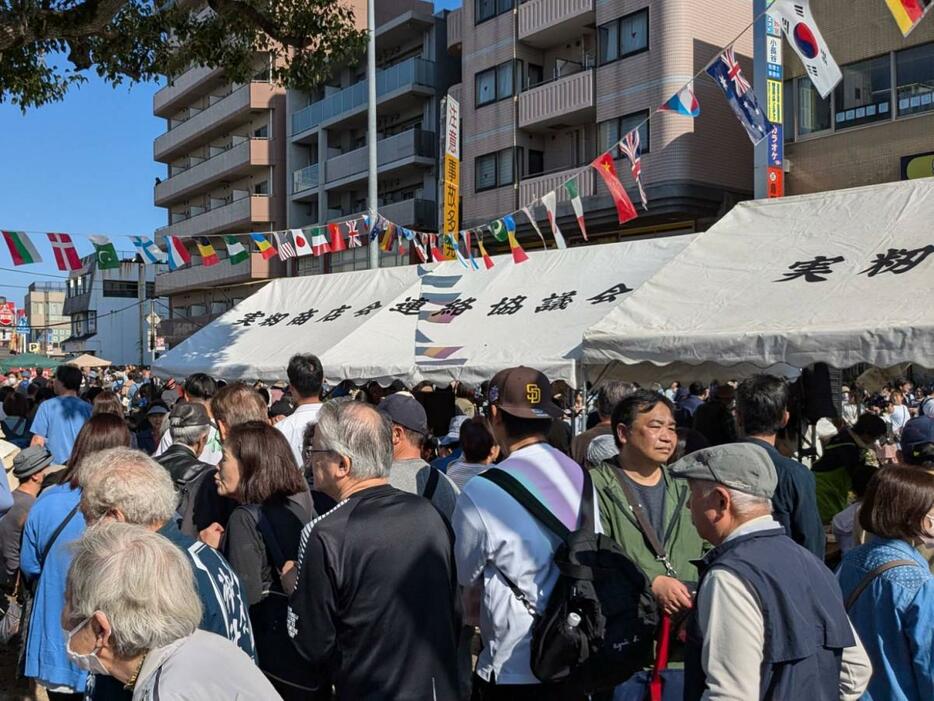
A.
x: 58, y: 420
x: 894, y: 617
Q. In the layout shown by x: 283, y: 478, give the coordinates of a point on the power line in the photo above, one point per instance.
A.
x: 30, y: 272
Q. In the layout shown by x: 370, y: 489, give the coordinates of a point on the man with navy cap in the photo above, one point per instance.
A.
x: 769, y: 622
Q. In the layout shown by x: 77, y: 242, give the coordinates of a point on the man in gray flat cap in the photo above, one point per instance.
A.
x: 769, y: 622
x: 30, y: 467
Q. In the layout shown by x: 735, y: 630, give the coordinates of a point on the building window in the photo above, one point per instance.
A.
x: 624, y: 36
x: 914, y: 75
x: 495, y: 83
x: 261, y: 188
x: 813, y: 110
x: 536, y: 162
x: 488, y: 9
x: 262, y: 132
x: 788, y: 110
x: 865, y: 93
x: 535, y: 76
x: 611, y: 131
x: 494, y: 170
x: 120, y: 288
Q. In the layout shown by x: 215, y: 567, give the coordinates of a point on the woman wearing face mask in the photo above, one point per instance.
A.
x: 132, y: 612
x: 887, y: 586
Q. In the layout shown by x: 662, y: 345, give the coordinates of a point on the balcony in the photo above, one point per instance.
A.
x: 224, y: 219
x: 190, y: 85
x: 214, y: 121
x: 533, y: 188
x: 558, y: 103
x: 456, y: 30
x: 196, y: 276
x: 414, y: 213
x: 236, y: 161
x: 412, y: 146
x: 305, y: 179
x: 408, y: 74
x: 547, y: 23
x: 178, y: 329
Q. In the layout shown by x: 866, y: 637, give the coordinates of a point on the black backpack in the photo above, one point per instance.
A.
x: 598, y: 628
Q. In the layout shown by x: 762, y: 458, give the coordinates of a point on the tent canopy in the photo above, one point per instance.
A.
x: 28, y: 360
x: 534, y: 313
x: 840, y: 277
x: 89, y: 361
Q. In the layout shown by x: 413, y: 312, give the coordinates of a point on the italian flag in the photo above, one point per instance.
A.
x: 574, y: 194
x: 236, y: 251
x: 21, y: 249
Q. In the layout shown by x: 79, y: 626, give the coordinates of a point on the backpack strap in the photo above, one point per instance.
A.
x: 269, y: 537
x: 661, y: 554
x: 55, y: 534
x: 514, y: 488
x: 434, y: 476
x: 870, y: 576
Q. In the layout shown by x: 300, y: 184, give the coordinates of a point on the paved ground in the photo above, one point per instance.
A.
x: 11, y: 688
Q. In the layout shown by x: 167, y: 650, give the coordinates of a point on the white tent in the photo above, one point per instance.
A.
x: 533, y: 313
x: 840, y: 277
x: 255, y: 339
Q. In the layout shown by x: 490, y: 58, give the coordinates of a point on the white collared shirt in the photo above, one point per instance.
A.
x: 293, y: 428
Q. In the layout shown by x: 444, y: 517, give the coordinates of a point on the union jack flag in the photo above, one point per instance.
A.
x: 629, y: 146
x: 353, y: 234
x: 735, y: 73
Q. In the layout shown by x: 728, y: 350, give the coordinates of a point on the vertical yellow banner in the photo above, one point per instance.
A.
x: 451, y: 177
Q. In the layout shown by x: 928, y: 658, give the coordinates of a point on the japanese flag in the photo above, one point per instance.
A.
x: 302, y: 246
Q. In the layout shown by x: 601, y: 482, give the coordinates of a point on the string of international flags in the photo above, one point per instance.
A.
x: 798, y: 26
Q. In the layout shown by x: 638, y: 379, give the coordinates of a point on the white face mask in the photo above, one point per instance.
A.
x: 90, y: 662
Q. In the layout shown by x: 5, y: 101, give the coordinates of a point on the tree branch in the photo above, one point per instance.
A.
x: 85, y: 20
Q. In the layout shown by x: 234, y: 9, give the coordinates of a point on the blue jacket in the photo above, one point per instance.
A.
x: 45, y: 648
x: 794, y: 503
x: 894, y: 617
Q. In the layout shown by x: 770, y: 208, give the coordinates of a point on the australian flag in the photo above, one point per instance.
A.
x: 729, y: 76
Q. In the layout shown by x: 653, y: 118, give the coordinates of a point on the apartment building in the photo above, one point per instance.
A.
x: 550, y: 84
x: 224, y: 152
x: 104, y: 309
x: 44, y: 305
x: 327, y: 153
x: 878, y: 124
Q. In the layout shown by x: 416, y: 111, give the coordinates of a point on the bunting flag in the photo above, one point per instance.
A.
x: 337, y: 240
x: 148, y: 250
x: 105, y: 253
x: 727, y: 73
x: 419, y: 243
x: 236, y: 251
x: 284, y: 245
x: 387, y: 237
x: 436, y: 255
x: 266, y: 249
x: 527, y: 211
x: 319, y: 241
x: 467, y: 237
x: 605, y: 166
x: 683, y: 102
x: 353, y: 233
x: 376, y: 227
x: 549, y: 201
x: 508, y: 223
x: 300, y: 242
x: 454, y: 242
x: 66, y: 256
x: 487, y: 261
x: 21, y: 248
x: 805, y: 38
x: 908, y: 13
x: 571, y: 187
x: 498, y: 229
x: 629, y: 146
x: 177, y: 252
x: 208, y: 254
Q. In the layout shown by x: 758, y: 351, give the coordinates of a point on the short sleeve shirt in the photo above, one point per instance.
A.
x: 59, y: 420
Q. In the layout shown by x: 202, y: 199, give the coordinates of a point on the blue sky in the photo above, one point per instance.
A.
x: 82, y: 166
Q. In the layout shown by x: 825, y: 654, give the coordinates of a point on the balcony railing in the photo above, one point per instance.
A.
x: 195, y: 276
x: 408, y: 144
x: 455, y: 25
x: 557, y: 101
x: 546, y: 22
x: 305, y: 179
x: 409, y: 213
x: 184, y: 86
x: 533, y: 188
x: 252, y: 208
x: 240, y: 156
x: 414, y: 71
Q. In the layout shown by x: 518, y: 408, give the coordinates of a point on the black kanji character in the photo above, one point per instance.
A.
x: 811, y: 270
x: 334, y: 313
x: 555, y: 302
x: 274, y: 319
x: 457, y: 307
x: 610, y: 295
x: 507, y: 305
x: 898, y: 261
x: 249, y: 318
x: 410, y: 306
x: 300, y: 319
x: 367, y: 309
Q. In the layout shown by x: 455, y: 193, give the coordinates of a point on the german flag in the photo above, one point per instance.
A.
x: 908, y: 13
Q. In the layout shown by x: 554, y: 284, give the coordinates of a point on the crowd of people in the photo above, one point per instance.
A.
x: 201, y: 539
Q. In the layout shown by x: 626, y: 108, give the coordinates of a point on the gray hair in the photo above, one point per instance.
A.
x: 610, y: 395
x: 358, y: 432
x: 139, y: 580
x: 129, y: 481
x: 744, y: 505
x: 188, y: 435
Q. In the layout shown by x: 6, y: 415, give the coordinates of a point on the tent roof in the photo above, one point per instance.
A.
x: 89, y: 361
x: 739, y: 292
x: 28, y: 360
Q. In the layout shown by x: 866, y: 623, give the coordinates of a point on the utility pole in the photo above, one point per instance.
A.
x: 372, y: 194
x: 141, y: 298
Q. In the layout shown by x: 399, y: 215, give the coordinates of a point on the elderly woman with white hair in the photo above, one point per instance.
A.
x: 132, y: 612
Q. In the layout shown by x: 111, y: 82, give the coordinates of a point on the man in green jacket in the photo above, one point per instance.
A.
x: 636, y: 480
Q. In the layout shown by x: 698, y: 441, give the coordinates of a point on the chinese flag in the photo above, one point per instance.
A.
x: 337, y: 239
x: 605, y: 166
